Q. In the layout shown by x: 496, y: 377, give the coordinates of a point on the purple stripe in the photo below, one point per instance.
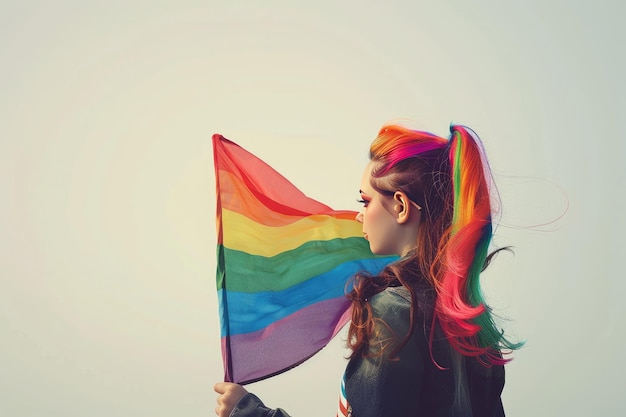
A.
x: 286, y: 342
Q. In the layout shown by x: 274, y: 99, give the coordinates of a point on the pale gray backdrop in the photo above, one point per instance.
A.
x: 107, y: 234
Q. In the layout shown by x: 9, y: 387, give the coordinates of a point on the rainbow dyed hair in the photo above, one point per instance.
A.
x: 450, y: 179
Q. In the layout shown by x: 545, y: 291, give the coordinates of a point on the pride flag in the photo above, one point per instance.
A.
x: 284, y: 262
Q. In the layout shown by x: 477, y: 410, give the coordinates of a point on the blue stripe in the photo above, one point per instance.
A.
x: 249, y: 312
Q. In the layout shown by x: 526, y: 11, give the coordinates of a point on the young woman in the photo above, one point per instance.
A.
x: 423, y: 340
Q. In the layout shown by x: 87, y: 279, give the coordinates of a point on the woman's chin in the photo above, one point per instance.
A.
x: 379, y: 251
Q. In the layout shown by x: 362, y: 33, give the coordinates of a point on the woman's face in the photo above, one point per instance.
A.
x: 377, y: 216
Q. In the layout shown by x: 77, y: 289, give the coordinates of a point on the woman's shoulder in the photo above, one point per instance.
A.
x: 393, y: 306
x: 392, y: 300
x: 398, y: 299
x: 391, y: 309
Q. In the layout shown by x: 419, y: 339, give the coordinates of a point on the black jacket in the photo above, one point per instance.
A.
x: 411, y: 383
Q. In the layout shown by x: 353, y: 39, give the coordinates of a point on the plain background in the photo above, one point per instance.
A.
x: 107, y: 236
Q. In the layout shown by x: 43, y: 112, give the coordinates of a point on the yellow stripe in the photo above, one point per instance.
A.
x: 243, y: 234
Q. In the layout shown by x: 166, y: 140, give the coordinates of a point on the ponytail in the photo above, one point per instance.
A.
x: 460, y: 307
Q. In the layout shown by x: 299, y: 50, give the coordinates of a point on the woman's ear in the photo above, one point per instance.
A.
x: 401, y: 206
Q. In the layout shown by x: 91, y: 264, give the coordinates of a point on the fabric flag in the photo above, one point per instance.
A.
x: 284, y: 263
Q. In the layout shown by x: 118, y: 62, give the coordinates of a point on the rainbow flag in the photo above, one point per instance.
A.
x: 284, y: 262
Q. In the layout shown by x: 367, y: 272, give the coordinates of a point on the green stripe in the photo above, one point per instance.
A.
x: 220, y: 267
x: 456, y: 183
x: 252, y: 273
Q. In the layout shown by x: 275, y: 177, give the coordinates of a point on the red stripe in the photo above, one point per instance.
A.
x: 262, y: 181
x: 343, y: 409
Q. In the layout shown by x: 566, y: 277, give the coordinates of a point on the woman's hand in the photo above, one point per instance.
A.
x: 229, y: 396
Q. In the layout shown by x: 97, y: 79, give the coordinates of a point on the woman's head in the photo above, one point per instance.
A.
x: 444, y: 188
x: 409, y: 172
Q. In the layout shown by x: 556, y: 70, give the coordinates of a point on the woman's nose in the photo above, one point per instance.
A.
x: 359, y: 217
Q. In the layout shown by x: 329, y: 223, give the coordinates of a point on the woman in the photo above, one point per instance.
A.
x: 423, y: 341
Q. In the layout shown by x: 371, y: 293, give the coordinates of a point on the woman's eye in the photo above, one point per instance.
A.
x: 364, y: 202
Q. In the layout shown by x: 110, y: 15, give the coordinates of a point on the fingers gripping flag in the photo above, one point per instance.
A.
x: 283, y: 264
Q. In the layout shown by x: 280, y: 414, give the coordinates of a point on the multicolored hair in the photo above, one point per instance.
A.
x: 451, y: 181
